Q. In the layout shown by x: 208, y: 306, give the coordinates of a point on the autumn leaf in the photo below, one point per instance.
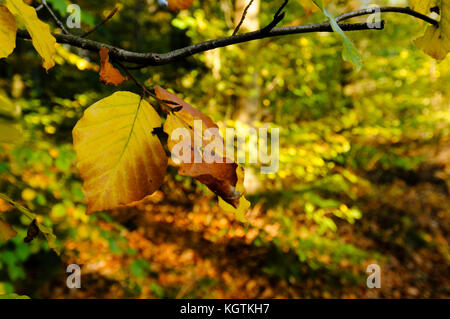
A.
x: 6, y: 231
x: 108, y: 73
x: 43, y: 41
x: 175, y: 5
x: 45, y: 230
x: 436, y: 40
x: 219, y: 173
x: 8, y: 30
x: 241, y: 208
x: 119, y: 158
x: 423, y: 6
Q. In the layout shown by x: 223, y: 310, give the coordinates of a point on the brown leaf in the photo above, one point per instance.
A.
x: 108, y: 73
x: 219, y: 176
x: 175, y: 5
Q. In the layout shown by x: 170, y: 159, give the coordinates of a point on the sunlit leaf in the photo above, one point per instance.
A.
x: 8, y: 30
x: 108, y: 73
x: 242, y: 207
x: 423, y: 6
x: 119, y: 158
x: 43, y: 41
x: 436, y: 40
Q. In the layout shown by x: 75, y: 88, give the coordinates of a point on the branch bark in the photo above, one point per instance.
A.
x: 154, y: 59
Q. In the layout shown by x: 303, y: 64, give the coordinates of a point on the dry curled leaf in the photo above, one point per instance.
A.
x: 218, y: 173
x: 108, y: 73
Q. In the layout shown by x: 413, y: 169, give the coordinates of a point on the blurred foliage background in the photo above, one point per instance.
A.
x: 364, y: 162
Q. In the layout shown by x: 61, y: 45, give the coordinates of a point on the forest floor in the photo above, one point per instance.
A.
x: 196, y: 250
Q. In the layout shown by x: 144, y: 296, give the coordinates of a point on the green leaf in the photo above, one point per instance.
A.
x: 157, y: 290
x: 139, y: 267
x: 350, y: 52
x: 46, y: 231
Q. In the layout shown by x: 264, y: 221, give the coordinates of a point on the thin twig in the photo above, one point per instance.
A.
x: 244, y: 15
x: 55, y: 18
x: 279, y: 15
x: 281, y: 8
x: 148, y: 59
x: 112, y: 13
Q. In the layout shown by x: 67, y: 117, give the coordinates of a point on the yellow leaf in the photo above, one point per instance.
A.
x: 119, y: 158
x: 10, y: 132
x: 43, y: 41
x: 436, y: 40
x: 6, y: 231
x: 8, y: 30
x: 244, y: 204
x: 422, y: 6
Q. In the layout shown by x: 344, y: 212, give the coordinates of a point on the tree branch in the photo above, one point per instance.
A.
x: 279, y: 15
x: 113, y: 12
x: 153, y: 59
x: 372, y: 10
